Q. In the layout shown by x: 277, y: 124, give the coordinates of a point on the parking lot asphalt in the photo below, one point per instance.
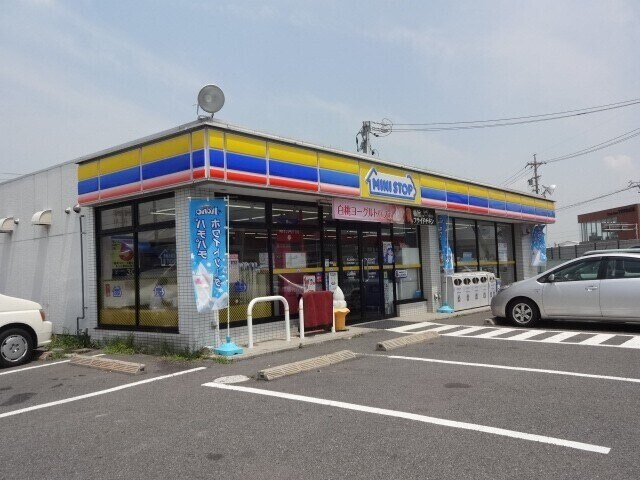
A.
x: 439, y: 409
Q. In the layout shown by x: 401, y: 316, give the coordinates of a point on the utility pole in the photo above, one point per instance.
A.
x: 364, y: 145
x: 535, y: 180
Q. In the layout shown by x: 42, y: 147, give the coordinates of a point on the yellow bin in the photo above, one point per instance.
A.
x: 341, y: 314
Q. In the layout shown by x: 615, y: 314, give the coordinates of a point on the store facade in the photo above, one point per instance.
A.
x: 302, y: 217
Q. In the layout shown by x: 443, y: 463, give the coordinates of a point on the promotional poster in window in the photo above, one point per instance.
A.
x: 208, y: 239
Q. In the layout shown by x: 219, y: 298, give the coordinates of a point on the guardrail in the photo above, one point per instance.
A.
x: 272, y: 298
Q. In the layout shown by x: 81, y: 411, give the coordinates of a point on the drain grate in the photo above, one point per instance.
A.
x: 108, y: 364
x: 407, y: 340
x: 305, y: 365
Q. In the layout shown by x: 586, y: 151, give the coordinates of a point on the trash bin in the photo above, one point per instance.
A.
x: 341, y: 314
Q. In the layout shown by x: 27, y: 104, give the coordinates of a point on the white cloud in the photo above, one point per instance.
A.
x: 619, y: 163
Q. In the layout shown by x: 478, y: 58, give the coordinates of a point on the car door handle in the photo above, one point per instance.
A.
x: 591, y: 288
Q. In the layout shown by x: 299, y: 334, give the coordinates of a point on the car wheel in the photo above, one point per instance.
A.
x: 522, y: 312
x: 16, y: 347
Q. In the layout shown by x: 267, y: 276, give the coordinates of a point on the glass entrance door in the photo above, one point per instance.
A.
x: 361, y: 272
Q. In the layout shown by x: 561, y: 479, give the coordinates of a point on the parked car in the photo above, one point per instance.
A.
x: 23, y: 327
x: 600, y: 286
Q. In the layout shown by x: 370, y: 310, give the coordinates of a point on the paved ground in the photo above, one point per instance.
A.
x: 441, y: 409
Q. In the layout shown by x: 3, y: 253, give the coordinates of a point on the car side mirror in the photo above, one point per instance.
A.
x: 551, y: 278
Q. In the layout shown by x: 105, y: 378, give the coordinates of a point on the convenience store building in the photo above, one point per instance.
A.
x: 302, y: 217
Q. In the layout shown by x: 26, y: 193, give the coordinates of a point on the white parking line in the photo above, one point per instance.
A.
x: 44, y: 365
x: 525, y: 335
x: 507, y: 367
x: 559, y: 337
x: 95, y: 394
x: 633, y: 343
x: 442, y: 328
x: 459, y: 333
x: 495, y: 332
x: 418, y: 418
x: 597, y: 339
x: 411, y: 326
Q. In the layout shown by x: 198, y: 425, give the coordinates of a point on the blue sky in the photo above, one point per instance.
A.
x: 79, y: 76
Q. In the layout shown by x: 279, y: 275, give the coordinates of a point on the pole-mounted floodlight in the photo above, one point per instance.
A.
x: 210, y: 99
x: 548, y: 190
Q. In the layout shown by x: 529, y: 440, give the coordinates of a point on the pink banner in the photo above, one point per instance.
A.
x: 346, y: 209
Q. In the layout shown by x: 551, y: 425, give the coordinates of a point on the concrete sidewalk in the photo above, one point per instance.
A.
x: 270, y: 337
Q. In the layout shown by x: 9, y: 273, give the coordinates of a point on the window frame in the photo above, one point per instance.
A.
x: 134, y: 229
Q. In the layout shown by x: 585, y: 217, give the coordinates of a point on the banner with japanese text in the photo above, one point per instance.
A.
x: 538, y: 246
x: 347, y: 209
x: 446, y: 254
x: 208, y: 239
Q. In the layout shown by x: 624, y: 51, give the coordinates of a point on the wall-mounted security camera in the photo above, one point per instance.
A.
x: 67, y: 210
x: 77, y: 208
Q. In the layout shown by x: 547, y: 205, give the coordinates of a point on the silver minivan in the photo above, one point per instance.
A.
x: 600, y: 286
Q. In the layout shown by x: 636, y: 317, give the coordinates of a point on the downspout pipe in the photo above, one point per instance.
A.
x: 84, y: 308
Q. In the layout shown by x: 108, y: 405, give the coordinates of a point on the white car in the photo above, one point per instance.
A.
x: 22, y: 328
x: 601, y: 286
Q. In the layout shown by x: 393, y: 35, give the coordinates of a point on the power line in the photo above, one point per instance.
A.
x: 522, y: 175
x: 631, y: 185
x: 501, y: 122
x: 594, y: 148
x: 511, y: 178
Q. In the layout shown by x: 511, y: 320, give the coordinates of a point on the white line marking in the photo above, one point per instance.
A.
x: 559, y: 337
x: 418, y: 418
x: 525, y: 335
x: 597, y: 339
x: 412, y: 326
x: 95, y: 394
x: 633, y: 343
x: 441, y: 328
x: 44, y: 365
x: 495, y: 332
x: 520, y: 369
x: 459, y: 333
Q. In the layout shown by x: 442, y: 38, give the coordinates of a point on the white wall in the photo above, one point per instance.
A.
x: 42, y: 263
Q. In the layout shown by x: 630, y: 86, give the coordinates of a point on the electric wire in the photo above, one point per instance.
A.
x: 566, y: 207
x: 594, y: 148
x: 507, y: 180
x: 502, y: 122
x: 517, y: 179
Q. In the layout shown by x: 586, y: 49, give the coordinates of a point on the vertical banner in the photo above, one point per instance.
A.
x: 538, y: 246
x: 445, y: 250
x: 208, y: 232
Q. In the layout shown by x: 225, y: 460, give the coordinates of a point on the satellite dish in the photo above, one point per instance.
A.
x: 210, y: 98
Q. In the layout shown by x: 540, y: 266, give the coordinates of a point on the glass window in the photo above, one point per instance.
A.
x: 327, y: 213
x: 407, y: 262
x: 157, y: 211
x: 282, y: 214
x: 388, y: 259
x: 465, y: 251
x: 117, y: 280
x: 506, y: 258
x: 158, y: 280
x: 248, y: 273
x: 117, y: 217
x: 487, y: 247
x: 623, y: 268
x: 140, y: 250
x: 297, y: 266
x: 577, y: 271
x: 246, y: 211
